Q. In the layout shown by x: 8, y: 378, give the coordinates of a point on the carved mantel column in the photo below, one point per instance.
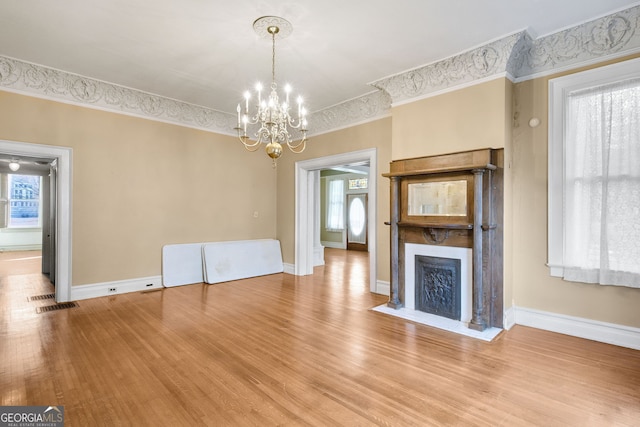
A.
x: 394, y: 298
x: 477, y: 321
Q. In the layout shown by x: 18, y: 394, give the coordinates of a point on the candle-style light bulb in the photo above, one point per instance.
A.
x: 247, y: 95
x: 287, y: 90
x: 259, y: 90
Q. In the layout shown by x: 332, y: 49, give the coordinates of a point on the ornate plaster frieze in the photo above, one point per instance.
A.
x: 477, y: 64
x: 43, y: 82
x: 366, y: 108
x: 617, y: 33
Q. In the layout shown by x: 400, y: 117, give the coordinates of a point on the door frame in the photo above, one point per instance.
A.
x: 63, y: 206
x: 306, y: 215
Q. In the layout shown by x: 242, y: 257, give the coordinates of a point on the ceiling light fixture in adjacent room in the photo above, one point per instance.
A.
x: 272, y: 116
x: 14, y: 165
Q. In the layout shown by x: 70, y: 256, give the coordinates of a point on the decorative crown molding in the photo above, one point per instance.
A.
x: 369, y: 107
x: 517, y: 56
x: 611, y: 35
x: 43, y: 82
x: 476, y: 64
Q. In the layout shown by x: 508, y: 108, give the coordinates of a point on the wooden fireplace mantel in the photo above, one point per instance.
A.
x: 475, y: 221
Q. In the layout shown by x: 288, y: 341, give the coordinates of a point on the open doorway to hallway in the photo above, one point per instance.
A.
x: 27, y: 208
x: 57, y: 252
x: 307, y: 217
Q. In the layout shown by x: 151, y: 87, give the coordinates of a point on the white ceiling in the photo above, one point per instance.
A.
x: 206, y: 52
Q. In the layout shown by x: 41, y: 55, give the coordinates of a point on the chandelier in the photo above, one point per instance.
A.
x: 270, y: 119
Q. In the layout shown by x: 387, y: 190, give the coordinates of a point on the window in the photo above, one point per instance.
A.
x: 358, y: 184
x: 594, y: 175
x: 24, y: 201
x: 335, y: 205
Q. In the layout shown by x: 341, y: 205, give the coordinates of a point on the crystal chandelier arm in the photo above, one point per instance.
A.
x: 299, y: 147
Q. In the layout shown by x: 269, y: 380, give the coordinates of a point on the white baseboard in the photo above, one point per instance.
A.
x: 20, y: 248
x: 318, y: 256
x: 114, y: 288
x: 383, y: 288
x: 509, y: 318
x: 610, y: 333
x: 334, y: 245
x: 289, y: 268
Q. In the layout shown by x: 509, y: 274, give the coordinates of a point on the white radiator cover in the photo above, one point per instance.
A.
x: 215, y: 262
x: 225, y: 261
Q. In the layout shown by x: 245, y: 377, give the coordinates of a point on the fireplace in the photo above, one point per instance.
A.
x: 415, y: 254
x: 437, y: 286
x: 449, y: 202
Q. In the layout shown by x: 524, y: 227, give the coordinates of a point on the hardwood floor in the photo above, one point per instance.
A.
x: 286, y: 350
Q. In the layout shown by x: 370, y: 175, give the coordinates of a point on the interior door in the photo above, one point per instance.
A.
x: 357, y: 222
x: 49, y: 223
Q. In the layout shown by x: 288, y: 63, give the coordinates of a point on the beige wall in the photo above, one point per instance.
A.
x: 375, y: 134
x: 533, y: 286
x: 139, y: 184
x: 465, y: 119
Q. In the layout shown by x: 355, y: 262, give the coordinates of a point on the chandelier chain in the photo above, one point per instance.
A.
x: 273, y: 58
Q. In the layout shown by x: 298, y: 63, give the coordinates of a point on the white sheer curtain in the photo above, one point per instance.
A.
x: 335, y: 205
x: 602, y: 185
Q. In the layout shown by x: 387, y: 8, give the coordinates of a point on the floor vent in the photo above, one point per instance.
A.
x: 42, y: 297
x: 61, y: 306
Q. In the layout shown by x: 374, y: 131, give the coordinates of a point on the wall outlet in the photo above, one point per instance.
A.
x: 113, y: 290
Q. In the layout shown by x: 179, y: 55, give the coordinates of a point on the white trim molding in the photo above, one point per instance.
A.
x: 334, y: 245
x: 115, y: 288
x: 383, y: 287
x: 509, y: 318
x: 63, y: 155
x: 610, y: 333
x: 289, y: 268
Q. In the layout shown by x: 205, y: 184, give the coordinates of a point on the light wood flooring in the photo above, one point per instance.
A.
x: 289, y: 351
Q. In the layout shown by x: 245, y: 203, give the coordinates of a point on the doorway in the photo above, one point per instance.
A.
x: 307, y: 208
x: 57, y: 240
x: 27, y: 208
